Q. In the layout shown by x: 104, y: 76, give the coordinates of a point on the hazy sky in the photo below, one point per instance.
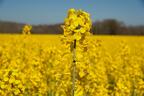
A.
x: 54, y: 11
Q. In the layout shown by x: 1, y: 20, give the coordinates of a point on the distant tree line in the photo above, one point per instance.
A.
x: 114, y: 27
x: 12, y: 28
x: 105, y: 27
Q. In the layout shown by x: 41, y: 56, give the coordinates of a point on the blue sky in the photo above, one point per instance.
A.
x: 54, y: 11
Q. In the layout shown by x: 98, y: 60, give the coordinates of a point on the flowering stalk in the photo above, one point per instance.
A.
x: 27, y: 29
x: 76, y: 28
x: 74, y: 68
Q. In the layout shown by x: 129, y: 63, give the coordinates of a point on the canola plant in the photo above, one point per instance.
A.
x: 29, y: 68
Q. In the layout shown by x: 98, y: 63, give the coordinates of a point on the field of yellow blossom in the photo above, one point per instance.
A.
x: 74, y: 64
x: 39, y: 65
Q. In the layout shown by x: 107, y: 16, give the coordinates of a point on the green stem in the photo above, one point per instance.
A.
x: 74, y: 69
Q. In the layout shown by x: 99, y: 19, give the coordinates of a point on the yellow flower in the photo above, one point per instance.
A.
x: 6, y: 79
x: 77, y: 25
x: 77, y: 36
x: 2, y: 85
x: 16, y: 91
x: 12, y: 80
x: 81, y: 73
x: 27, y: 29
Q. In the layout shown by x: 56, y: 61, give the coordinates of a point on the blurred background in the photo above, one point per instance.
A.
x: 114, y: 17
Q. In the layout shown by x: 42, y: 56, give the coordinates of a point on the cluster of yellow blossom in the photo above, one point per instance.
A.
x: 27, y: 29
x: 76, y: 26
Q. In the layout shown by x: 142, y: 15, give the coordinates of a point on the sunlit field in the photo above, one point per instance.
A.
x: 40, y: 65
x: 110, y: 42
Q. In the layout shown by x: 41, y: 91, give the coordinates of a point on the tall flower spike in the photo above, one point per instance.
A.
x: 76, y: 27
x: 77, y: 24
x: 27, y: 29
